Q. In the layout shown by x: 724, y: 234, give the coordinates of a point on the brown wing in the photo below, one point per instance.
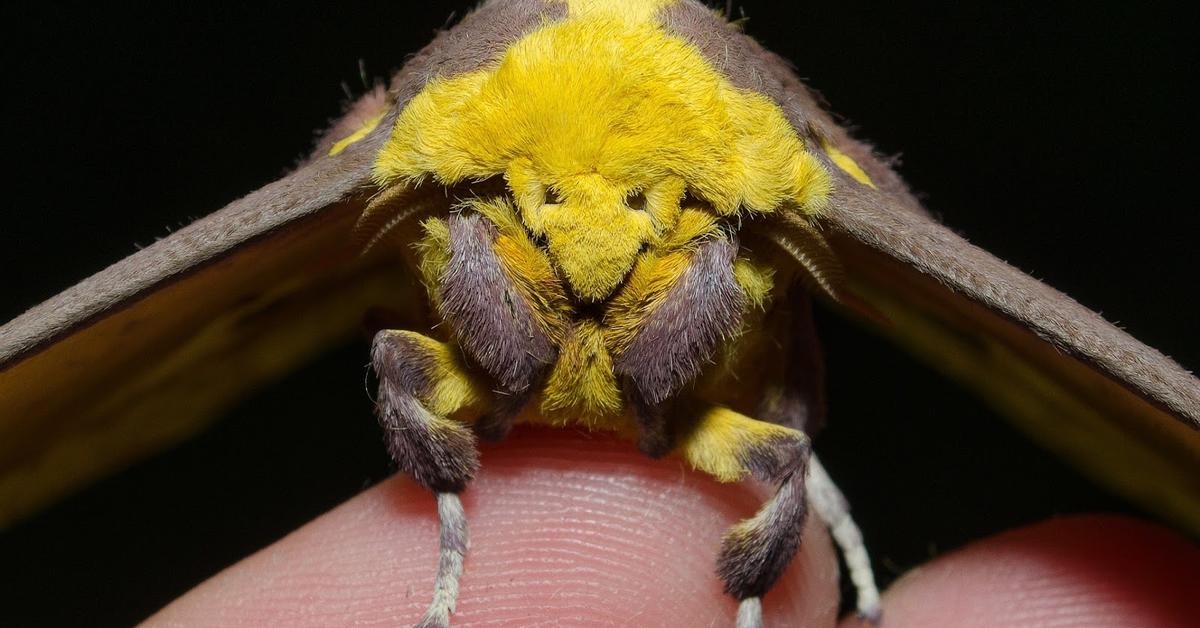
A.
x: 1120, y: 410
x: 146, y: 352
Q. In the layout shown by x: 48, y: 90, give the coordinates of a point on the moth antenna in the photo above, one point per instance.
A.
x: 454, y: 542
x: 831, y: 506
x: 822, y: 271
x: 362, y: 74
x: 383, y: 214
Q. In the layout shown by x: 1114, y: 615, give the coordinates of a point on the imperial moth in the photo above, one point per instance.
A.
x: 849, y: 245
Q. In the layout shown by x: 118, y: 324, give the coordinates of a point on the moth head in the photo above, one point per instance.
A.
x: 599, y: 124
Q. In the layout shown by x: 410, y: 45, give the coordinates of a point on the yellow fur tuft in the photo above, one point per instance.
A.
x: 454, y: 391
x: 722, y: 441
x: 582, y: 387
x: 755, y: 280
x: 434, y: 253
x: 528, y: 269
x: 652, y: 278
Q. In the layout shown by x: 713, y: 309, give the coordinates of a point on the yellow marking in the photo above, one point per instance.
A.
x: 528, y: 269
x: 847, y: 164
x: 755, y: 280
x: 362, y: 132
x: 583, y: 114
x: 453, y: 389
x: 582, y: 387
x: 434, y: 252
x: 692, y: 226
x: 647, y: 287
x: 721, y: 440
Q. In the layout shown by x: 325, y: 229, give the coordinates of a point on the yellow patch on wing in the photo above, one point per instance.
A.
x: 848, y: 165
x: 722, y: 443
x: 357, y: 135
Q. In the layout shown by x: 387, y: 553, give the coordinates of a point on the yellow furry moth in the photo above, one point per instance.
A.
x: 614, y: 209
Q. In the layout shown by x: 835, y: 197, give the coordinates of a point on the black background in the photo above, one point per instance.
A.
x: 1054, y: 137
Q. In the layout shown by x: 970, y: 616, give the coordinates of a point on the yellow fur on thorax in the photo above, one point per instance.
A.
x: 581, y: 115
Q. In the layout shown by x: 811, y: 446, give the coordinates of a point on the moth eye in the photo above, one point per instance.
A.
x: 552, y: 197
x: 636, y: 201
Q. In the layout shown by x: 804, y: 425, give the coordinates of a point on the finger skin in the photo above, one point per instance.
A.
x: 1075, y: 572
x: 566, y: 528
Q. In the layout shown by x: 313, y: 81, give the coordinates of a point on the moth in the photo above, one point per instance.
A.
x: 603, y: 235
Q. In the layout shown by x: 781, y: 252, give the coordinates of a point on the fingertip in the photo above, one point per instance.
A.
x: 1094, y: 571
x: 564, y: 526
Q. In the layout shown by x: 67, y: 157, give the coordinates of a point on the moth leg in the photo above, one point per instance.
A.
x: 834, y: 510
x: 704, y: 306
x: 496, y: 423
x: 492, y: 318
x: 795, y: 397
x: 420, y: 385
x: 731, y: 446
x: 654, y: 437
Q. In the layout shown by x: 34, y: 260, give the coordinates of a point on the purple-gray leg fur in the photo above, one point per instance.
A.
x: 756, y: 551
x: 489, y: 317
x: 492, y: 322
x: 795, y: 397
x: 438, y: 453
x: 496, y: 423
x: 795, y: 389
x: 703, y: 308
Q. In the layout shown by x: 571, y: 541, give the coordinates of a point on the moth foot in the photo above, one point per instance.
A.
x: 453, y: 548
x: 749, y: 614
x: 731, y: 447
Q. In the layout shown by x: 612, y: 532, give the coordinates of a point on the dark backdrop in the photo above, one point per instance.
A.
x: 1052, y: 137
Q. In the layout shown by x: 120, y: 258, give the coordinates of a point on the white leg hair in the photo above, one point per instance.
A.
x: 749, y: 614
x: 831, y: 506
x: 450, y: 561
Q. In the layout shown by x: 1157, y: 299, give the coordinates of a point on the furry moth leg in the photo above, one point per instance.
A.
x: 831, y: 506
x: 796, y: 398
x: 704, y: 307
x: 492, y: 320
x: 731, y: 446
x: 420, y: 384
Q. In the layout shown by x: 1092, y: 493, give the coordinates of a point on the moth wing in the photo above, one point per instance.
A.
x: 145, y: 352
x: 1121, y: 411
